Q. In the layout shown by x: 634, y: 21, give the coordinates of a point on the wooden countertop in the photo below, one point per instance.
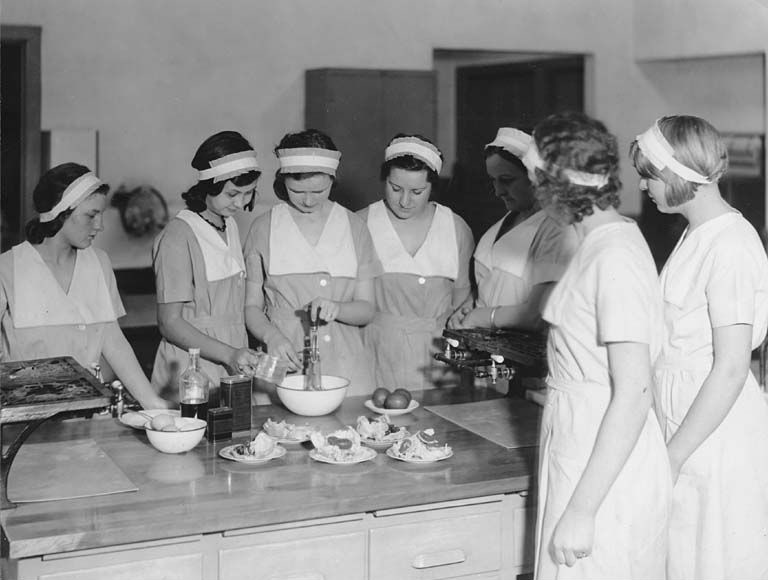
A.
x: 198, y: 492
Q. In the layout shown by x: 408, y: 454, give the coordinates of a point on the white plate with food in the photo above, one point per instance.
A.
x: 262, y: 449
x: 239, y: 454
x: 287, y: 433
x: 362, y: 454
x: 341, y: 447
x: 391, y: 412
x: 139, y: 419
x: 394, y: 455
x: 421, y: 447
x: 379, y: 433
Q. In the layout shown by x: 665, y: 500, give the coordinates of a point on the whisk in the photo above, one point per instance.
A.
x: 313, y: 377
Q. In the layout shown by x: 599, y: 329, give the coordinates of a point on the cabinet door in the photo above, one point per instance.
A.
x: 333, y: 557
x: 362, y: 110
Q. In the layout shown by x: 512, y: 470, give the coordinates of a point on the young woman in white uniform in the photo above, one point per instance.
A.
x: 518, y: 260
x: 311, y: 254
x: 200, y: 269
x: 424, y: 250
x: 604, y: 480
x: 714, y: 415
x: 58, y: 295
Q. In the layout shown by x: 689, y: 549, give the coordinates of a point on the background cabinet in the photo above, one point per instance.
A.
x: 362, y: 110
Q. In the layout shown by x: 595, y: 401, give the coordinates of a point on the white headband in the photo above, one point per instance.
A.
x: 75, y: 193
x: 661, y: 154
x: 309, y: 160
x: 512, y: 140
x: 532, y: 161
x: 417, y: 148
x: 229, y: 166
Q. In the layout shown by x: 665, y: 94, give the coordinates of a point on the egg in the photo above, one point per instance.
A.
x: 160, y: 422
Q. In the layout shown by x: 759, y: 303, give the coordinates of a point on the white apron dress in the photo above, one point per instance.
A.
x: 535, y: 251
x: 40, y: 319
x: 716, y: 276
x: 293, y: 272
x: 193, y: 265
x: 609, y: 293
x: 414, y: 296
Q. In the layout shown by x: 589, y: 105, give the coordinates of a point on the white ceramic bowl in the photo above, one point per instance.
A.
x: 190, y: 433
x: 292, y: 394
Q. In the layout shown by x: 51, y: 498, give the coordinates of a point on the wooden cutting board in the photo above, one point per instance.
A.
x: 506, y: 422
x: 64, y: 470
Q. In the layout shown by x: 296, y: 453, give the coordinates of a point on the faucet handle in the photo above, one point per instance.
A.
x: 452, y: 342
x: 497, y: 358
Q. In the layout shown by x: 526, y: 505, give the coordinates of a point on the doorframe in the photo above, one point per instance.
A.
x: 30, y: 38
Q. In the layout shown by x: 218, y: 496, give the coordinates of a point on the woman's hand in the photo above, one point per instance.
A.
x: 278, y: 345
x: 573, y: 537
x: 456, y: 320
x: 475, y: 318
x: 244, y: 360
x: 324, y: 309
x: 155, y: 402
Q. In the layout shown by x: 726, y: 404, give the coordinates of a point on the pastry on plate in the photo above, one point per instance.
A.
x: 287, y: 431
x: 262, y: 446
x: 341, y: 445
x: 380, y: 429
x: 421, y: 446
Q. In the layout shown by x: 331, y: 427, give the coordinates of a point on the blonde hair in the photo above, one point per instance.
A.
x: 697, y: 145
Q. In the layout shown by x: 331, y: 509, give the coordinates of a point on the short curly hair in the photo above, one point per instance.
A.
x: 578, y: 142
x: 697, y: 145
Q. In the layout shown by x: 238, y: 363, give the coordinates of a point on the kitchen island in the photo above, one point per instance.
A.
x: 196, y: 515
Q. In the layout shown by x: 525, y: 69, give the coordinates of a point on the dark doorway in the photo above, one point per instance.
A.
x: 20, y: 122
x: 503, y: 95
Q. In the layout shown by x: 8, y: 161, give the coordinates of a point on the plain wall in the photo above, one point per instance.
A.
x: 156, y: 78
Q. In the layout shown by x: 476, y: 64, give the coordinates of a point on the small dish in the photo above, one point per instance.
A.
x: 391, y: 453
x: 230, y: 453
x: 139, y: 419
x: 365, y: 454
x: 391, y: 412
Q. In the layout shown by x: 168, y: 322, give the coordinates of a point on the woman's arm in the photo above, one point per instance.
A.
x: 122, y: 359
x: 732, y: 349
x: 525, y: 316
x: 357, y: 312
x: 185, y: 336
x: 259, y: 326
x: 630, y: 368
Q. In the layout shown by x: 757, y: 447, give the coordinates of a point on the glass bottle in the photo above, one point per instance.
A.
x: 194, y: 387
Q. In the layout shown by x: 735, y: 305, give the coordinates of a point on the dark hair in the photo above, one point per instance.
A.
x: 48, y: 193
x: 411, y: 163
x: 697, y: 145
x: 213, y: 148
x: 307, y: 138
x: 578, y: 142
x: 506, y: 156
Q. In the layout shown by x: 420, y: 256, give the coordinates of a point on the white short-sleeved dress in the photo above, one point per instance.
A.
x: 293, y: 272
x: 40, y: 319
x: 609, y: 293
x: 194, y: 265
x: 535, y: 251
x: 414, y: 295
x: 716, y: 276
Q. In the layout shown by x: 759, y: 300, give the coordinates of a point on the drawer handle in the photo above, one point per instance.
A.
x: 439, y: 559
x: 300, y: 576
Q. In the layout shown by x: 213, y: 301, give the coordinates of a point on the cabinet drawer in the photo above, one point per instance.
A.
x: 334, y: 557
x: 188, y: 567
x: 443, y: 548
